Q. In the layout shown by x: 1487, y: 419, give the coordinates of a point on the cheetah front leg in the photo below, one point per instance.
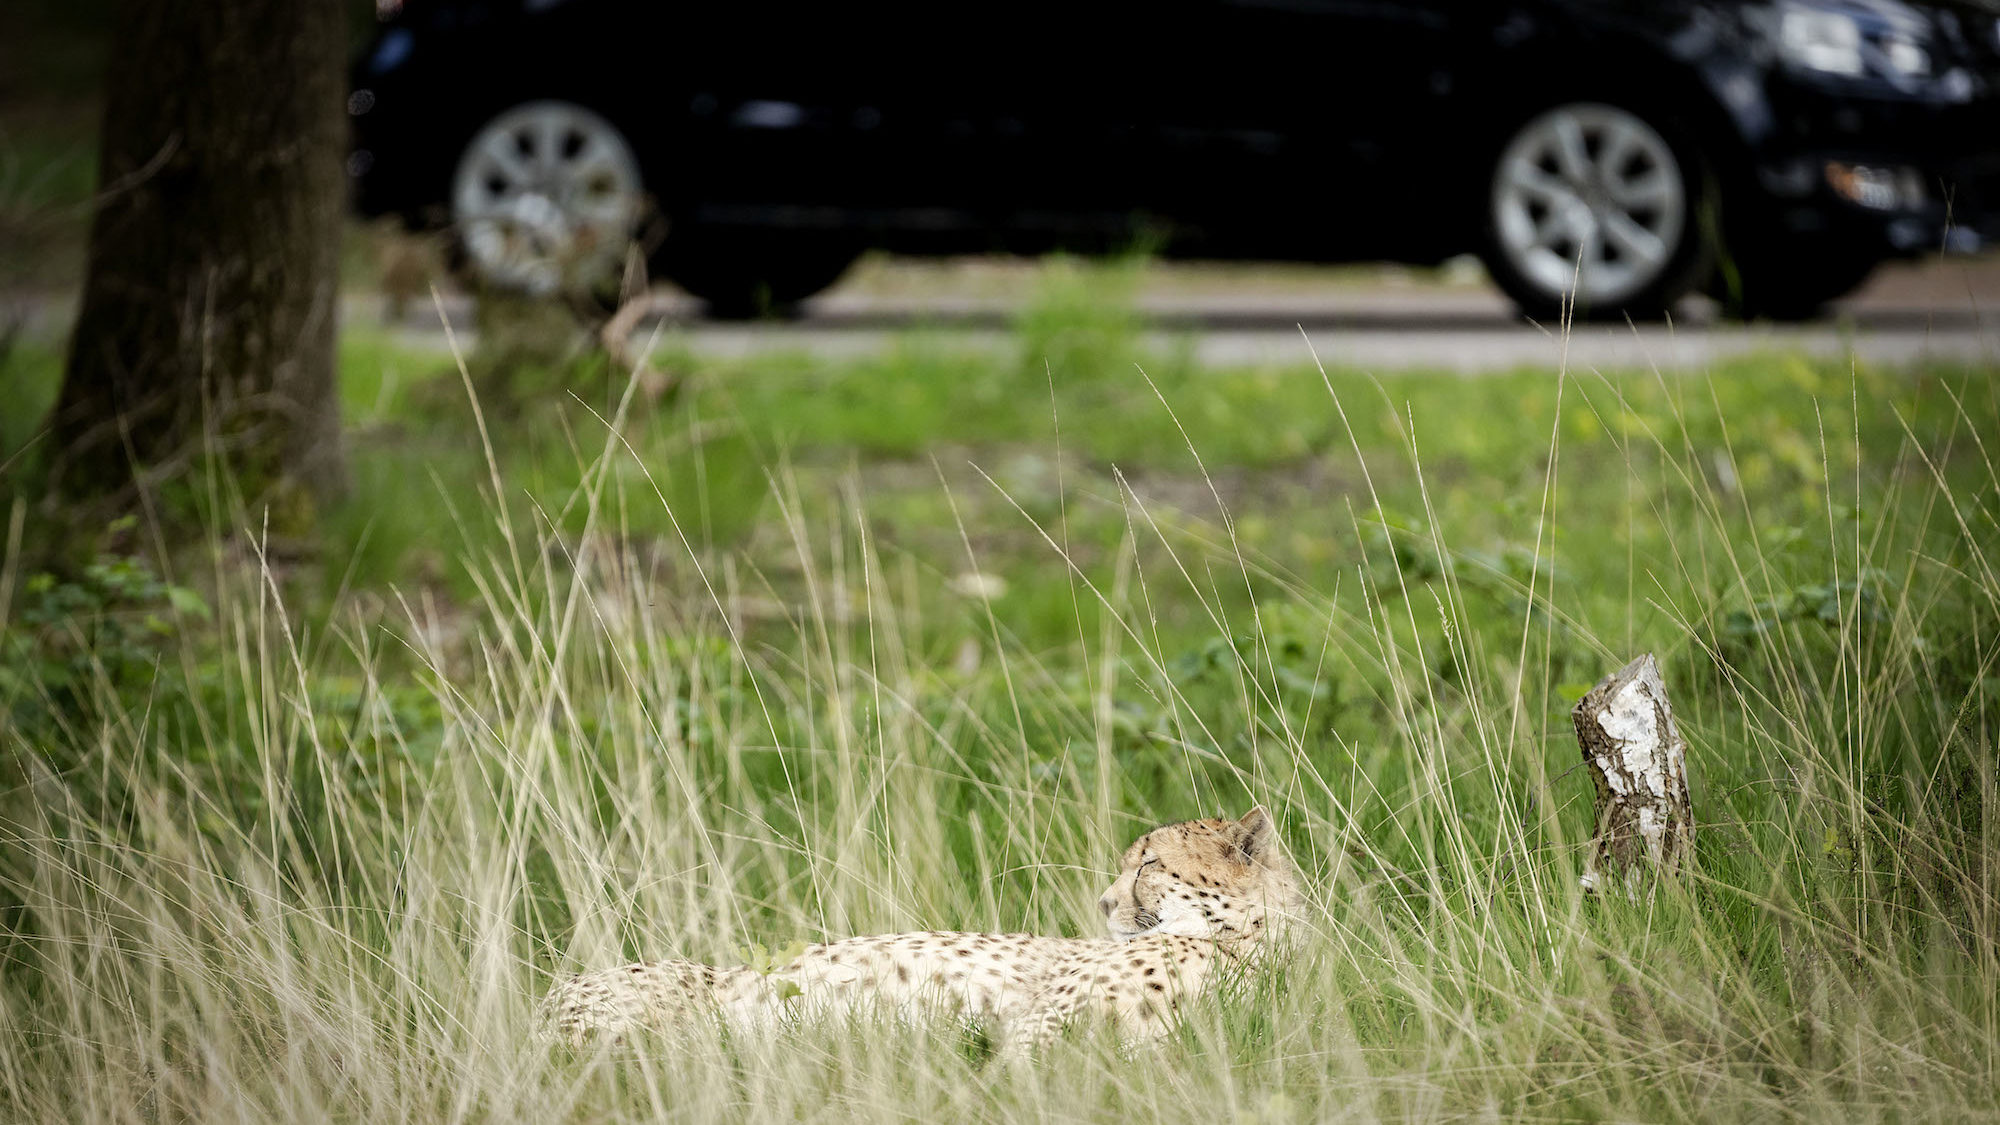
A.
x: 1143, y: 1016
x: 1037, y: 1027
x: 658, y: 996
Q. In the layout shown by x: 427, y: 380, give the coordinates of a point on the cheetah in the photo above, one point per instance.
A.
x: 1190, y: 898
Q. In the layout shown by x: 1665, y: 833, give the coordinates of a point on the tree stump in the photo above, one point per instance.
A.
x: 1638, y: 759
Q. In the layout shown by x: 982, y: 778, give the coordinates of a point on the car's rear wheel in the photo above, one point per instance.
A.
x: 750, y: 274
x: 1590, y: 202
x: 545, y: 198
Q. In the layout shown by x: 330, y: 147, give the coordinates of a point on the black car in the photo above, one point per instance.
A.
x: 1628, y: 150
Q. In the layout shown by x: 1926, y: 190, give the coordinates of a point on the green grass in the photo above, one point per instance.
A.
x: 311, y: 846
x: 30, y: 377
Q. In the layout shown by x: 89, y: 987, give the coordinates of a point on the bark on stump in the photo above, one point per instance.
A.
x: 1638, y: 760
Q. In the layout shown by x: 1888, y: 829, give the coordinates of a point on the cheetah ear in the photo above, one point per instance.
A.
x: 1254, y: 835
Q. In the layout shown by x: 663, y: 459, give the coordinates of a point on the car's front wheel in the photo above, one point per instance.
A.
x: 1591, y: 203
x: 545, y: 198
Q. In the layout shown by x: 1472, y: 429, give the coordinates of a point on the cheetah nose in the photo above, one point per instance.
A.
x: 1107, y: 904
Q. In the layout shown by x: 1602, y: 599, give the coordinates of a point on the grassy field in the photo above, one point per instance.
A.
x: 819, y: 648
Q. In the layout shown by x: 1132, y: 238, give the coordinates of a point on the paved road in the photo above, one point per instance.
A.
x: 1382, y: 319
x: 1446, y: 329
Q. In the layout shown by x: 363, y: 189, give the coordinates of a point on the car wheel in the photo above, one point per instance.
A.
x: 1591, y: 201
x: 747, y: 275
x: 545, y: 198
x: 1786, y: 281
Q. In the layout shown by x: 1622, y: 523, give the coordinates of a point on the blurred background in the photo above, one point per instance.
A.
x: 832, y: 179
x: 569, y: 190
x: 894, y: 251
x: 1027, y: 266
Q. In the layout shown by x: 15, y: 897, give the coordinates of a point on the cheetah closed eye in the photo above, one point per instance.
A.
x: 1189, y: 897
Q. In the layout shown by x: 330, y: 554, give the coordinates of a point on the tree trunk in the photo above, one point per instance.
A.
x: 208, y: 314
x: 1638, y: 759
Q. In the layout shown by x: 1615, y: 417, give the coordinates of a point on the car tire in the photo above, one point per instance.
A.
x: 1595, y: 205
x: 753, y: 274
x: 1786, y: 282
x: 544, y: 198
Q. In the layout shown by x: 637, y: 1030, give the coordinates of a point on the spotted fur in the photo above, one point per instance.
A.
x: 1189, y: 898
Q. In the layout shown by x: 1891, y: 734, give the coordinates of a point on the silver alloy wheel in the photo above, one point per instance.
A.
x: 1589, y: 196
x: 545, y: 196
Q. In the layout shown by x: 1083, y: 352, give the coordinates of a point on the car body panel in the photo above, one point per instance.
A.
x: 1302, y: 129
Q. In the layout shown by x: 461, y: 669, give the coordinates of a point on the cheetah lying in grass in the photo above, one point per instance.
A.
x: 1189, y: 899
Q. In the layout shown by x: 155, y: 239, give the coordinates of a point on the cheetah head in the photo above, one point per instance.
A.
x: 1217, y: 878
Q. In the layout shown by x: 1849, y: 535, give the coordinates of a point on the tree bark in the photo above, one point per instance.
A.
x: 208, y: 313
x: 1638, y: 760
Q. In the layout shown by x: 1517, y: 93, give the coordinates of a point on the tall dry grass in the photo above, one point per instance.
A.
x: 327, y: 876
